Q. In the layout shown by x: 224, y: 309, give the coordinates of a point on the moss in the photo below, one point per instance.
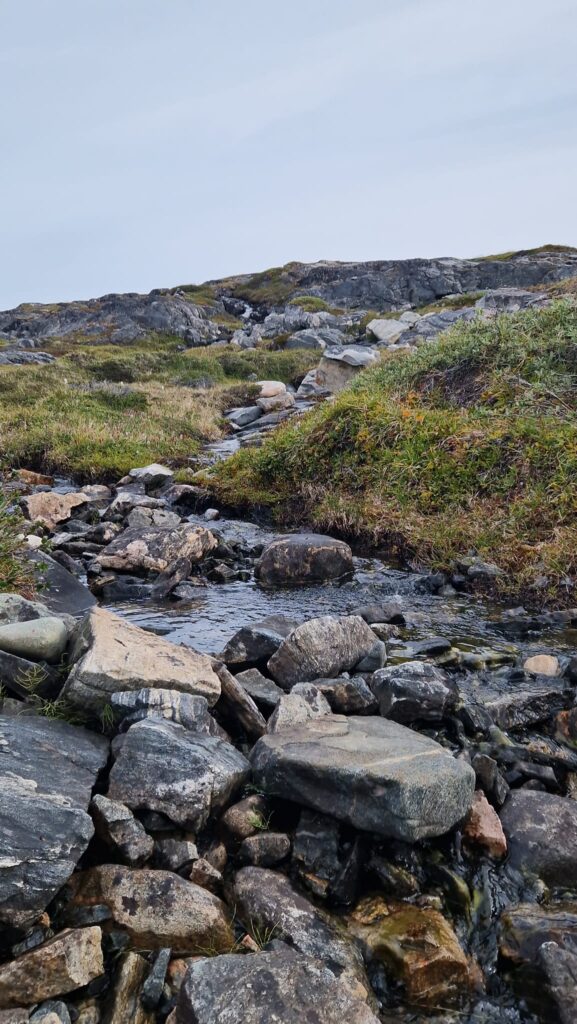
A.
x: 273, y: 287
x: 466, y: 443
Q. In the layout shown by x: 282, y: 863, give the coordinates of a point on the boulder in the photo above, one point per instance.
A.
x: 47, y: 771
x: 242, y: 417
x: 156, y: 908
x: 294, y: 709
x: 560, y: 967
x: 338, y: 366
x: 265, y: 850
x: 270, y: 388
x: 523, y: 929
x: 302, y: 557
x: 348, y: 696
x: 387, y: 331
x: 316, y: 339
x: 483, y: 827
x: 62, y: 593
x: 276, y: 403
x: 319, y: 648
x: 14, y: 608
x: 281, y: 986
x: 172, y: 706
x: 116, y: 825
x: 257, y: 642
x: 263, y: 691
x: 373, y: 774
x: 124, y: 1003
x: 152, y: 477
x: 143, y: 518
x: 267, y: 901
x: 51, y: 508
x: 38, y: 639
x: 156, y: 549
x: 414, y: 690
x: 541, y: 833
x: 522, y: 707
x: 237, y: 705
x: 68, y: 961
x: 111, y: 655
x: 182, y: 774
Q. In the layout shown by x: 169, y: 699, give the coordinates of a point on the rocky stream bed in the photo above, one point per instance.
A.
x: 255, y: 777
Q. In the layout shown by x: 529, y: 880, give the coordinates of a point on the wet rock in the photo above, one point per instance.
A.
x: 256, y: 643
x: 316, y: 851
x: 483, y: 827
x: 263, y: 691
x: 156, y: 549
x: 244, y: 819
x: 419, y: 945
x: 242, y: 417
x: 157, y: 908
x: 111, y: 655
x: 51, y: 508
x: 185, y: 775
x: 542, y: 665
x: 262, y: 987
x: 236, y: 704
x: 541, y: 832
x: 431, y: 648
x: 124, y: 1004
x: 176, y: 855
x: 524, y: 929
x: 304, y: 556
x: 68, y: 961
x: 321, y: 647
x: 266, y: 900
x: 390, y: 611
x: 372, y: 773
x: 265, y: 850
x: 152, y: 477
x: 348, y: 696
x: 490, y: 779
x: 295, y: 709
x: 560, y: 967
x: 521, y: 708
x: 42, y: 639
x: 116, y: 825
x: 171, y: 705
x: 414, y: 690
x: 47, y: 771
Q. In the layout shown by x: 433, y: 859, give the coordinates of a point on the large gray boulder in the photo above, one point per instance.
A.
x: 316, y: 339
x: 38, y: 639
x: 541, y: 832
x: 281, y: 986
x: 387, y: 331
x: 111, y: 655
x: 301, y: 557
x: 338, y: 366
x: 184, y: 775
x: 47, y: 771
x: 414, y: 690
x: 322, y: 647
x: 373, y: 774
x: 156, y: 549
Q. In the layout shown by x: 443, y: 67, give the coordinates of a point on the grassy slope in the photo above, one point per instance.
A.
x: 469, y: 442
x: 50, y: 420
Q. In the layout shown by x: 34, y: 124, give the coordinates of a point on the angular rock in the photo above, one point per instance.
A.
x: 373, y: 774
x: 263, y: 987
x: 265, y: 850
x: 47, y: 771
x: 266, y: 900
x: 316, y: 339
x: 419, y: 945
x: 157, y: 908
x: 156, y: 549
x: 237, y: 704
x: 62, y: 593
x: 39, y: 639
x: 116, y: 825
x: 307, y: 557
x: 176, y: 855
x: 14, y: 608
x: 541, y: 832
x: 111, y: 655
x: 262, y: 690
x: 338, y: 366
x: 242, y: 417
x: 153, y: 476
x: 387, y: 332
x: 142, y: 518
x: 276, y: 403
x: 414, y: 690
x: 124, y: 1003
x: 185, y: 775
x: 170, y: 705
x: 520, y: 708
x: 321, y: 647
x: 295, y: 709
x: 257, y: 642
x: 348, y: 696
x: 560, y: 967
x: 483, y: 827
x: 524, y: 929
x: 68, y: 961
x: 51, y: 508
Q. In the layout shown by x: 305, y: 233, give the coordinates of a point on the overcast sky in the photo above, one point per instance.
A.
x: 148, y: 143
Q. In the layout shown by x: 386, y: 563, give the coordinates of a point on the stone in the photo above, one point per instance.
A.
x: 68, y: 961
x: 316, y: 339
x: 153, y: 987
x: 542, y: 665
x: 541, y: 833
x: 524, y: 928
x: 483, y: 827
x: 176, y: 855
x: 414, y: 690
x: 338, y: 366
x: 264, y: 987
x: 374, y: 660
x: 144, y: 518
x: 560, y: 967
x: 124, y: 1003
x: 348, y: 696
x: 321, y: 647
x: 236, y: 703
x: 276, y: 403
x: 374, y: 774
x: 244, y: 819
x: 153, y: 476
x: 171, y: 705
x: 14, y: 608
x: 264, y: 692
x: 244, y: 416
x: 204, y: 874
x: 38, y: 639
x: 156, y: 549
x: 111, y: 655
x: 387, y: 332
x: 295, y: 709
x: 184, y: 775
x: 51, y: 508
x: 255, y: 643
x: 521, y: 708
x: 116, y: 825
x: 47, y: 771
x: 62, y: 593
x: 156, y: 908
x: 419, y: 946
x: 28, y: 476
x: 390, y: 611
x: 265, y: 850
x: 266, y: 900
x: 306, y: 557
x: 270, y: 388
x: 490, y: 779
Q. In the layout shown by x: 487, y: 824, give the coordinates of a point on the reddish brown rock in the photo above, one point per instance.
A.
x: 50, y: 508
x: 483, y: 827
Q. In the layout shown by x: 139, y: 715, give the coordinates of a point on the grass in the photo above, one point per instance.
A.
x: 72, y: 417
x: 468, y: 443
x: 273, y: 287
x: 450, y: 302
x: 314, y: 304
x: 529, y: 252
x: 15, y: 573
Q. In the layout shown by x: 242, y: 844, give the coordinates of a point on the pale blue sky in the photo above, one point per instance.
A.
x: 148, y: 143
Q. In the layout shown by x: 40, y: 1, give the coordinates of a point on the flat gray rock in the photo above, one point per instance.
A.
x: 373, y: 774
x: 47, y: 771
x: 322, y: 647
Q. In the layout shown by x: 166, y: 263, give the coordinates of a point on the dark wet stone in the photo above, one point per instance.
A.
x: 62, y: 592
x: 255, y: 643
x: 264, y: 692
x: 560, y: 967
x: 152, y: 989
x: 541, y: 833
x: 524, y: 929
x: 528, y: 707
x: 414, y: 690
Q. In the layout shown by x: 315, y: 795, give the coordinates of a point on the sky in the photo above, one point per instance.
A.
x: 151, y: 143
